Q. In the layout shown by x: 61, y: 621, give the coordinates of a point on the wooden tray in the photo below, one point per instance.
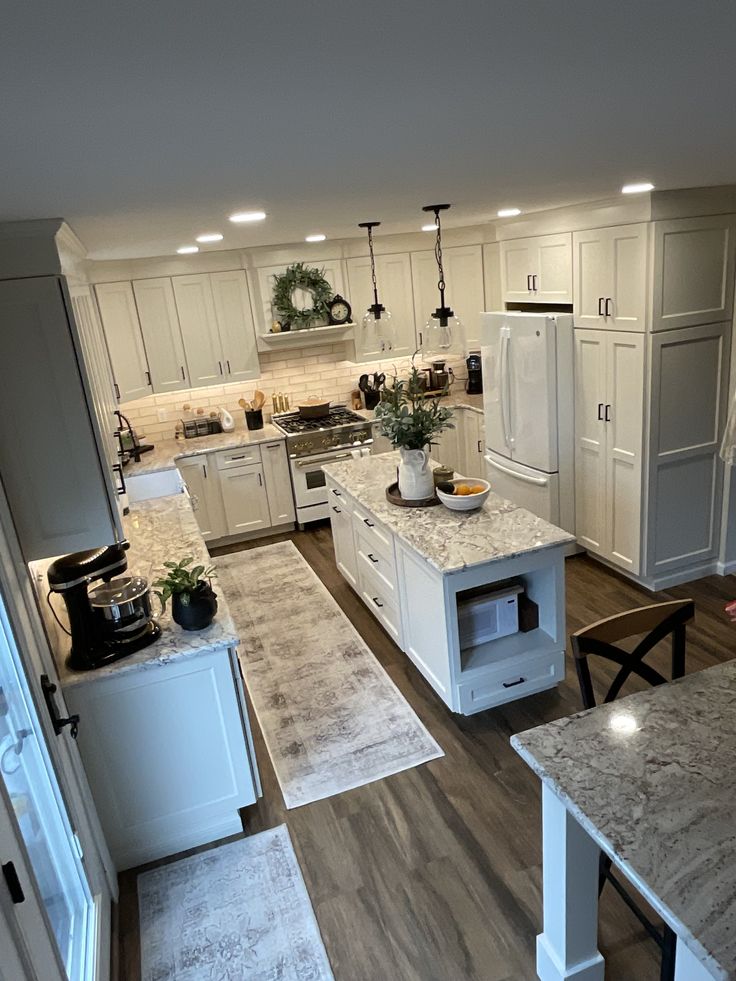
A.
x: 394, y: 497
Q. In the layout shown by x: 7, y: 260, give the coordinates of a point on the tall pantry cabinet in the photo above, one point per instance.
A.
x: 653, y: 309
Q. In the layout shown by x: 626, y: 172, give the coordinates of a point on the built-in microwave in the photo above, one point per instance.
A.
x: 489, y: 615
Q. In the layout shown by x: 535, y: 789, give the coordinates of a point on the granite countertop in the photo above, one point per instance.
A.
x: 449, y: 540
x: 460, y: 401
x: 167, y: 451
x: 652, y: 779
x: 158, y: 530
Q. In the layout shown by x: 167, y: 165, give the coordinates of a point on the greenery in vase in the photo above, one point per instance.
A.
x: 181, y: 581
x: 408, y: 417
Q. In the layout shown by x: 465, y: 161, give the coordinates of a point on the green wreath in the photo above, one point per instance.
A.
x: 299, y: 276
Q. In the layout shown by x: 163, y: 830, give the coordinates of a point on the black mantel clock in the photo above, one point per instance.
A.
x: 339, y: 310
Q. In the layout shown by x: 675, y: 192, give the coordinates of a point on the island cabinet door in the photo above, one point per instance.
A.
x: 203, y: 486
x: 166, y: 753
x: 341, y: 521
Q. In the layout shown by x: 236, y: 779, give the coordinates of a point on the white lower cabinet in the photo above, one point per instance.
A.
x: 244, y: 499
x: 609, y: 437
x: 473, y: 432
x: 341, y: 522
x: 278, y: 483
x: 201, y: 480
x: 169, y: 754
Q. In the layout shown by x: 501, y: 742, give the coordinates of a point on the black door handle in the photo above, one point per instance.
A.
x: 609, y: 313
x: 377, y: 601
x: 369, y: 523
x: 529, y: 283
x: 600, y: 412
x: 534, y: 283
x: 117, y: 390
x: 49, y: 690
x: 601, y: 312
x: 373, y: 558
x: 608, y: 413
x: 13, y: 883
x: 336, y: 510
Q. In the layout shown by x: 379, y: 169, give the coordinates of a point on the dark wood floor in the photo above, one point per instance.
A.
x: 434, y: 874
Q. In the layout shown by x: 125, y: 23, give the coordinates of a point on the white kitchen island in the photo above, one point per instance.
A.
x: 414, y: 567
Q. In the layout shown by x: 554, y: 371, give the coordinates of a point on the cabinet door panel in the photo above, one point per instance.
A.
x: 590, y: 273
x: 590, y: 466
x: 278, y: 483
x: 199, y: 332
x: 393, y: 273
x: 124, y: 340
x: 202, y: 483
x: 553, y: 269
x: 161, y: 334
x: 624, y: 438
x: 341, y: 523
x: 628, y: 276
x: 235, y: 325
x: 244, y: 499
x: 474, y: 450
x: 517, y: 266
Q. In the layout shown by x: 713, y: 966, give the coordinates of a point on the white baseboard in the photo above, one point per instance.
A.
x: 726, y: 568
x: 676, y: 578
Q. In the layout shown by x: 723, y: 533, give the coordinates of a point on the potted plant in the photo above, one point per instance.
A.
x: 412, y: 422
x: 193, y: 601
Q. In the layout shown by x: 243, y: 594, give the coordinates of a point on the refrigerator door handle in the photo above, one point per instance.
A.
x: 505, y: 421
x: 526, y: 478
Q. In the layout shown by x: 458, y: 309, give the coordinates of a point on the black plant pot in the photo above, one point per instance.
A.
x: 199, y: 612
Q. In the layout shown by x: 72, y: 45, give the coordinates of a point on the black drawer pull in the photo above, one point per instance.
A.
x: 377, y: 601
x: 336, y: 510
x: 336, y: 492
x: 13, y: 883
x: 369, y: 523
x: 372, y: 558
x: 512, y: 684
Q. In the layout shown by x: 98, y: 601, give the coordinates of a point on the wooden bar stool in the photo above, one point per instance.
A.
x: 656, y: 623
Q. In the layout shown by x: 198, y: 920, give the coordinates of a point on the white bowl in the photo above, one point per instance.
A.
x: 468, y: 502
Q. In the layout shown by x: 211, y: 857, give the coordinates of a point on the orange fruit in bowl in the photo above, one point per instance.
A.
x: 477, y: 489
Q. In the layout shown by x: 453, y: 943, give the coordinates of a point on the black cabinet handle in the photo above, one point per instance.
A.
x: 480, y: 446
x: 372, y: 558
x: 336, y: 492
x: 608, y: 413
x: 601, y: 312
x: 534, y: 283
x: 260, y: 480
x: 369, y: 523
x: 529, y: 283
x: 119, y: 437
x: 148, y: 378
x: 118, y: 468
x: 219, y: 365
x: 13, y: 883
x: 377, y: 601
x: 609, y: 312
x: 49, y: 690
x: 512, y: 684
x: 600, y: 412
x: 336, y: 510
x: 183, y: 376
x: 204, y: 470
x: 227, y: 362
x: 117, y: 390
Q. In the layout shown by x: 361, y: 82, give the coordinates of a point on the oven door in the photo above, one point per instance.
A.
x: 308, y: 478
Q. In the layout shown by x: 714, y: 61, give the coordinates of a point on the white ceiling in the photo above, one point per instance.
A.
x: 146, y: 123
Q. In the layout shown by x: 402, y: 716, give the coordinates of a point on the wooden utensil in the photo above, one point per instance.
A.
x: 258, y: 399
x: 243, y: 404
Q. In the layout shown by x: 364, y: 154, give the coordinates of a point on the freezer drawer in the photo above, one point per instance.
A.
x: 534, y: 490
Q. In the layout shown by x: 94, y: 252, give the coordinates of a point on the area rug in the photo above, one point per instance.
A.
x: 331, y: 717
x: 240, y: 911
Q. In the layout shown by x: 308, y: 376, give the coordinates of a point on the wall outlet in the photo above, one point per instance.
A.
x: 163, y: 415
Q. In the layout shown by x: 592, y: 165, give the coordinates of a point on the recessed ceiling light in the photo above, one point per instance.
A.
x: 429, y: 228
x: 637, y: 188
x: 509, y: 212
x: 210, y: 237
x: 241, y: 216
x: 315, y: 238
x: 188, y: 249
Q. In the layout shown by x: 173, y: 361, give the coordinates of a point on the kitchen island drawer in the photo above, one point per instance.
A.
x: 380, y: 539
x: 380, y: 602
x: 520, y: 676
x: 243, y: 456
x: 380, y: 568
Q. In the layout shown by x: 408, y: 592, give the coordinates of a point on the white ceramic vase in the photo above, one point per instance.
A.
x: 415, y: 476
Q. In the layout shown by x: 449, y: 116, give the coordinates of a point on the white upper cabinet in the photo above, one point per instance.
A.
x: 196, y: 309
x: 610, y: 277
x: 463, y: 265
x: 693, y: 271
x: 537, y: 270
x: 393, y: 273
x: 124, y: 340
x: 332, y: 270
x: 161, y: 334
x: 235, y: 325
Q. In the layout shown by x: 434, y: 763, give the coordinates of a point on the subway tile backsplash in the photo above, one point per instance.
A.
x: 322, y: 372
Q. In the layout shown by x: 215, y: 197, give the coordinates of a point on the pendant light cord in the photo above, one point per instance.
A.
x: 373, y: 265
x: 438, y: 257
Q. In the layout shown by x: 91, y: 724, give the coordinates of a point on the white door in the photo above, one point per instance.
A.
x: 518, y: 260
x: 196, y: 309
x: 531, y: 489
x: 553, y: 269
x: 626, y: 306
x: 591, y: 276
x: 278, y: 482
x: 494, y: 344
x: 124, y: 340
x: 341, y: 522
x: 474, y: 445
x: 235, y: 325
x: 530, y: 378
x: 244, y: 499
x: 47, y: 887
x: 162, y: 335
x: 393, y: 275
x: 590, y: 438
x: 203, y: 486
x: 463, y: 265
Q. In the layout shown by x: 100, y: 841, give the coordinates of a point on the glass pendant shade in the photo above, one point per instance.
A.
x: 379, y: 333
x: 440, y: 341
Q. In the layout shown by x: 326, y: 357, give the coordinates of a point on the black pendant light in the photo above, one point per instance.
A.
x: 443, y: 332
x: 376, y: 318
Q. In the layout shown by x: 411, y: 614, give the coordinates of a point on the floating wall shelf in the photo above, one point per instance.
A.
x: 310, y: 337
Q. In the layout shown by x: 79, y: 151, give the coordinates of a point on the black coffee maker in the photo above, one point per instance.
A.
x: 102, y: 632
x: 474, y: 384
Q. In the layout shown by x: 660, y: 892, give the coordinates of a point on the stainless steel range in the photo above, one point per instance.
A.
x: 313, y: 442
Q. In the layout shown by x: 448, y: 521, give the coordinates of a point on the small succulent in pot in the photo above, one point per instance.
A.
x: 193, y: 601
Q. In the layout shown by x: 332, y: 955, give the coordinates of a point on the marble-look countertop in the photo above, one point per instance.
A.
x: 652, y: 779
x: 158, y: 530
x: 449, y: 540
x: 459, y: 401
x: 167, y: 451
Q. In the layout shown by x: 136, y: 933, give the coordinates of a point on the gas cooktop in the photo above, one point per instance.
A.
x: 337, y: 430
x: 292, y: 422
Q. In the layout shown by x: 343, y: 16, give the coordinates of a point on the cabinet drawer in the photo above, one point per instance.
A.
x: 380, y: 539
x: 241, y: 457
x: 375, y: 563
x: 379, y: 602
x: 511, y: 680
